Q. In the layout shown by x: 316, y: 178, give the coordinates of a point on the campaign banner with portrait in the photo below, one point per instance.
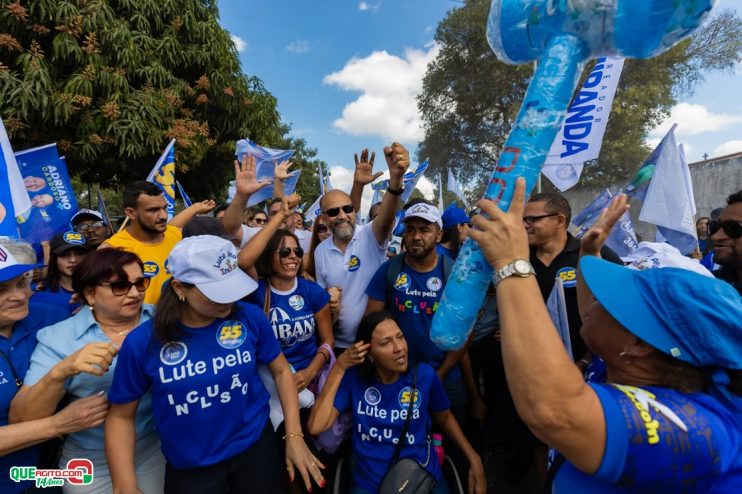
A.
x: 48, y: 184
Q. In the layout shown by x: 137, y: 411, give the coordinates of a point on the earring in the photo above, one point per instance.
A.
x: 623, y: 357
x: 181, y: 298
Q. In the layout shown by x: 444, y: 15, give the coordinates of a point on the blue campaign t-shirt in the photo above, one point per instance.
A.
x: 209, y: 402
x: 413, y: 303
x: 661, y: 440
x: 17, y: 351
x: 378, y: 413
x: 60, y: 298
x: 292, y: 318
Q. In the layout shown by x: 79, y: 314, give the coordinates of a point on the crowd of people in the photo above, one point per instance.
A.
x: 210, y: 352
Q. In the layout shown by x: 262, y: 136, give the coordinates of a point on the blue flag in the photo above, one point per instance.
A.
x: 587, y: 217
x: 52, y: 197
x: 15, y: 203
x: 266, y: 160
x: 186, y: 200
x: 411, y: 179
x: 163, y: 176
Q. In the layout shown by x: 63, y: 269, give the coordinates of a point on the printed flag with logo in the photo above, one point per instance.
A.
x: 163, y: 176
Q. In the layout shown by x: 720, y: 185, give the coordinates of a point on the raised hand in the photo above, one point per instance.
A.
x: 353, y: 355
x: 289, y: 204
x: 281, y: 171
x: 595, y: 237
x: 397, y: 159
x: 364, y: 173
x: 204, y: 207
x: 245, y: 178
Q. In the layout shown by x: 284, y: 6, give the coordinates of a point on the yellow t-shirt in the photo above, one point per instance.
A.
x: 152, y: 255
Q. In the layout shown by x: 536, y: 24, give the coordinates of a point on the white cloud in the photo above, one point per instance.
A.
x: 693, y: 119
x: 365, y: 6
x: 298, y: 46
x: 729, y: 147
x: 239, y: 43
x: 389, y: 86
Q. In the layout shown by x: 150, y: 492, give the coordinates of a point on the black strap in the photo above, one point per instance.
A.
x: 559, y: 461
x: 403, y: 435
x: 18, y: 381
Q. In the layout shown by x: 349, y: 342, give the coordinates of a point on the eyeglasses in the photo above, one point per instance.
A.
x: 321, y: 228
x: 732, y: 228
x: 529, y: 220
x: 286, y: 252
x: 89, y: 226
x: 260, y: 221
x: 347, y: 209
x: 122, y: 287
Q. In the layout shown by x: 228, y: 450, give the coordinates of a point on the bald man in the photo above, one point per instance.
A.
x: 349, y: 258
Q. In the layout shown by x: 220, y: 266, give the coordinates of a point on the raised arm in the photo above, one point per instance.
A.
x: 363, y: 176
x: 245, y: 185
x: 280, y: 174
x: 250, y: 253
x: 181, y: 219
x: 398, y: 160
x: 592, y: 242
x: 549, y: 392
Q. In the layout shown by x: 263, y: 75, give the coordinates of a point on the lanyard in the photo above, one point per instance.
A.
x: 18, y: 381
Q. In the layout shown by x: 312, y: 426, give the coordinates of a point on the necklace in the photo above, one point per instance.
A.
x: 119, y: 333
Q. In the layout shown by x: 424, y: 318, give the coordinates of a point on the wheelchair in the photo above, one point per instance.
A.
x: 341, y: 483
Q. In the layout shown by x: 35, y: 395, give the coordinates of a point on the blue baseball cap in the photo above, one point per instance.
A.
x: 10, y: 267
x: 454, y: 215
x: 691, y: 317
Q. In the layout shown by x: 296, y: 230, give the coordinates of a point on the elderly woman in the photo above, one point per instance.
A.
x: 669, y: 417
x: 199, y: 357
x: 77, y: 357
x: 373, y: 380
x: 19, y: 323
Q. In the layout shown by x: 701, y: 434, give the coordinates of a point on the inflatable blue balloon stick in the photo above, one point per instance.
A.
x: 561, y: 35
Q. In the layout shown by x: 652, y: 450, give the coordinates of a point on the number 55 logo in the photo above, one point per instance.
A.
x: 568, y: 277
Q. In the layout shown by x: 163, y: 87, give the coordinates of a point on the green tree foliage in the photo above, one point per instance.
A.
x: 469, y: 98
x: 111, y: 81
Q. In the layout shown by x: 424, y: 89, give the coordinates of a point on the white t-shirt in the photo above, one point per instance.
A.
x: 248, y: 232
x: 350, y: 270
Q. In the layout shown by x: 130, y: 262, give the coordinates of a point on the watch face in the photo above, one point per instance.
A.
x: 522, y: 267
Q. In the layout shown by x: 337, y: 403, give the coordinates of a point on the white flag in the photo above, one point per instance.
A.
x: 440, y: 193
x: 314, y: 210
x: 453, y: 186
x: 18, y: 193
x: 668, y: 203
x: 581, y: 136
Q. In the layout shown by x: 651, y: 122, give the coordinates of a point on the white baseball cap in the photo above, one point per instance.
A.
x: 210, y: 263
x: 423, y: 211
x: 655, y: 255
x: 10, y: 267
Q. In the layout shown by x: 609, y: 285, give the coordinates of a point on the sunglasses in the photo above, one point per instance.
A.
x: 529, y: 220
x: 89, y: 226
x: 347, y: 209
x: 286, y: 252
x: 732, y: 228
x: 321, y: 228
x: 122, y: 287
x: 260, y: 221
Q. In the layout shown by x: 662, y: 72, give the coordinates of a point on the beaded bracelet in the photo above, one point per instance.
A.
x: 293, y: 434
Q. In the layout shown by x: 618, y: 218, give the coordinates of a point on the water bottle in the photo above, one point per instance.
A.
x: 438, y: 448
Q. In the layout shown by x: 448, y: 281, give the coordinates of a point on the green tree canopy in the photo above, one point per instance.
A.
x: 112, y: 81
x: 470, y: 99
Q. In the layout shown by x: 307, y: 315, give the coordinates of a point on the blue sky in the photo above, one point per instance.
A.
x: 346, y: 73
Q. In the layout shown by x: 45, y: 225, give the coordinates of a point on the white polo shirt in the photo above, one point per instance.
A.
x: 351, y: 270
x: 248, y: 232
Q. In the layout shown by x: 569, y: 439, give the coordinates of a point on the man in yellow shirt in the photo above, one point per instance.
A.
x: 148, y: 234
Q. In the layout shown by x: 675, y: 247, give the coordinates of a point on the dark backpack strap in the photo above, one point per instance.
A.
x: 406, y: 426
x: 392, y: 272
x: 559, y: 461
x: 447, y: 267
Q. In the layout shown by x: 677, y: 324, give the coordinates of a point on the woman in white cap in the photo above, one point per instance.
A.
x: 198, y: 356
x: 669, y: 417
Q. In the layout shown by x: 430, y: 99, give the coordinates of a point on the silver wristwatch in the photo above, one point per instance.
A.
x: 519, y: 267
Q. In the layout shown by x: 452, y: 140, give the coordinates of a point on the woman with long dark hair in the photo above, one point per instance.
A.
x: 67, y: 250
x: 198, y: 358
x: 372, y: 380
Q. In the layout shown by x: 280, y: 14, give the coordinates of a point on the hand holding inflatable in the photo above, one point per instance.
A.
x: 562, y: 35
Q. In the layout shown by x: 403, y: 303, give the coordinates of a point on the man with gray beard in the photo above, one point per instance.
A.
x: 349, y: 258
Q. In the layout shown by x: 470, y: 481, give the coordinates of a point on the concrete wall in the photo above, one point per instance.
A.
x: 713, y: 180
